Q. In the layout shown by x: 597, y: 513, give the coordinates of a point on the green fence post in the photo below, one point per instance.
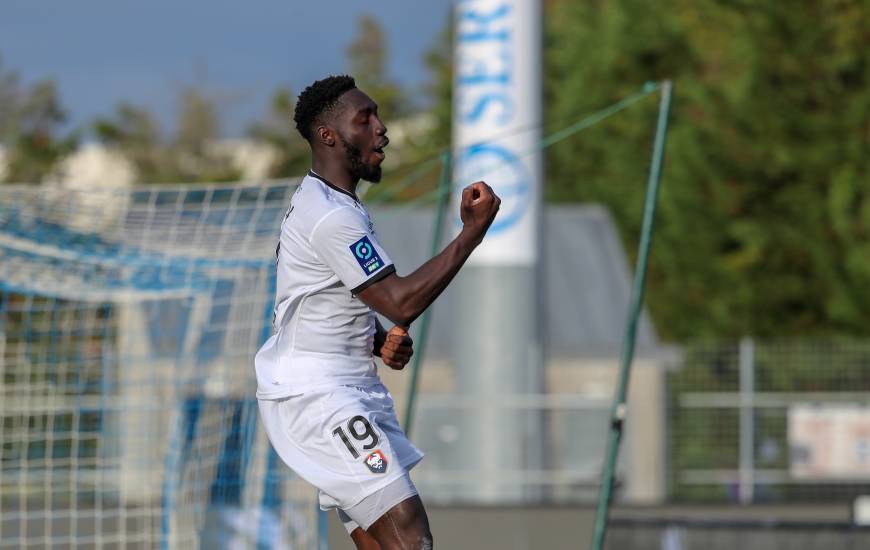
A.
x: 617, y: 415
x: 443, y: 201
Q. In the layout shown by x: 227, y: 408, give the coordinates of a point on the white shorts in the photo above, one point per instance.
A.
x: 346, y: 441
x: 371, y: 508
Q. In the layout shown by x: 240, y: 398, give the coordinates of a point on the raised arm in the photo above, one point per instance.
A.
x: 403, y: 299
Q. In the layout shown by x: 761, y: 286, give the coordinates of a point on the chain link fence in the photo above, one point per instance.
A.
x: 772, y: 422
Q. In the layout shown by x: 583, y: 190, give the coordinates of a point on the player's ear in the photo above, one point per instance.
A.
x: 325, y: 135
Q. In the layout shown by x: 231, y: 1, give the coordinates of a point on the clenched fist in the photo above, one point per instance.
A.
x: 397, y: 348
x: 478, y: 208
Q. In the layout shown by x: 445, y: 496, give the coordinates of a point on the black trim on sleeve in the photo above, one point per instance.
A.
x: 382, y: 274
x: 331, y: 185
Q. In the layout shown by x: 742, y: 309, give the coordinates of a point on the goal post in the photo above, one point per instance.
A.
x: 129, y: 319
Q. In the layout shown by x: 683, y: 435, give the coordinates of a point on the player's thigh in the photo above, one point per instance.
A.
x: 363, y: 540
x: 405, y: 526
x: 358, y: 535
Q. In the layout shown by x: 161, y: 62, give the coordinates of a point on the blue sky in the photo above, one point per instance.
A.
x: 100, y: 51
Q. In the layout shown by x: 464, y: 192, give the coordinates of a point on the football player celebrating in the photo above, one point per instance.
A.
x: 324, y: 408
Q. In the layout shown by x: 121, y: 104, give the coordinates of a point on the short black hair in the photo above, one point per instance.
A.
x: 317, y: 99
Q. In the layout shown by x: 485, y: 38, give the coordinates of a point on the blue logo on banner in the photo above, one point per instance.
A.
x: 366, y: 255
x: 508, y: 177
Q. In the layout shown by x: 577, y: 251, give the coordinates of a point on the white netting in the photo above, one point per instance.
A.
x: 128, y: 324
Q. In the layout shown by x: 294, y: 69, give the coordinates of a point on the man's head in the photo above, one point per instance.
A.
x: 342, y: 126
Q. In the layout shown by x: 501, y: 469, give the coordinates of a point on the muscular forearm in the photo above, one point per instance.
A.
x: 403, y: 299
x: 421, y: 288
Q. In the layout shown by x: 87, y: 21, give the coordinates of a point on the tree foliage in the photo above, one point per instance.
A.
x: 367, y: 56
x: 439, y: 89
x: 32, y: 123
x: 190, y: 155
x: 279, y: 131
x: 765, y: 211
x: 764, y: 218
x: 195, y: 144
x: 135, y: 133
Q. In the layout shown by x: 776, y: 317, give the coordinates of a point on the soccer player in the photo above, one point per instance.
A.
x: 324, y: 408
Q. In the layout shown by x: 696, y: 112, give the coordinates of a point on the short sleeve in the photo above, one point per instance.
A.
x: 343, y: 241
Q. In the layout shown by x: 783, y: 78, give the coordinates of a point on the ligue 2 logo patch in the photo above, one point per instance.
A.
x: 366, y: 256
x: 377, y: 462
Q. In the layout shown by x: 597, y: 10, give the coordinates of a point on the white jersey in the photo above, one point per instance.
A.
x: 322, y: 333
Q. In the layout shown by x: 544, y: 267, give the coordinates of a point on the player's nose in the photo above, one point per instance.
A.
x: 380, y: 127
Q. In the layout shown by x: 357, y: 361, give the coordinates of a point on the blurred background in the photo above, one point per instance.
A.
x: 147, y: 155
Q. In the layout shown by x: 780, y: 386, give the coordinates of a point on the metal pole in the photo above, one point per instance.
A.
x: 747, y: 421
x: 617, y: 415
x: 443, y: 201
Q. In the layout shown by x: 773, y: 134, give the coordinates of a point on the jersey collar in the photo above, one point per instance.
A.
x: 331, y: 185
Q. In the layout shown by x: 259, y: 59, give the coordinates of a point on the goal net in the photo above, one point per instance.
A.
x: 128, y: 323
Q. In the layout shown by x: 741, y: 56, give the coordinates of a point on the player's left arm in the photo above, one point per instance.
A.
x: 394, y: 347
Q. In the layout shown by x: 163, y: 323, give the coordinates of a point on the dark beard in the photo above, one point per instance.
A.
x: 358, y: 169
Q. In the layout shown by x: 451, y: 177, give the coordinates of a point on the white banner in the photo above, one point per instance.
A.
x: 829, y: 441
x: 496, y: 121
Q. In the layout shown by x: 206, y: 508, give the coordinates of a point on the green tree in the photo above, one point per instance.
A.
x: 763, y: 226
x: 135, y: 133
x: 764, y: 220
x: 279, y: 131
x: 367, y: 56
x: 31, y: 128
x: 191, y: 155
x: 194, y: 146
x: 8, y: 102
x: 37, y: 146
x: 596, y: 53
x: 439, y: 89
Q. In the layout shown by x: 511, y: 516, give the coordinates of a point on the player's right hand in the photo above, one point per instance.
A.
x: 478, y: 208
x: 397, y: 349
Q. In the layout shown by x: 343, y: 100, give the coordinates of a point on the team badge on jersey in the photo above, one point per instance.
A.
x: 366, y: 255
x: 377, y: 462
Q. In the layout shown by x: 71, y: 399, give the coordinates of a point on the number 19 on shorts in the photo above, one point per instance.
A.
x: 366, y: 433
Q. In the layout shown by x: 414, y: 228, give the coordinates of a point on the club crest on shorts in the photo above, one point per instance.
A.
x: 377, y: 462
